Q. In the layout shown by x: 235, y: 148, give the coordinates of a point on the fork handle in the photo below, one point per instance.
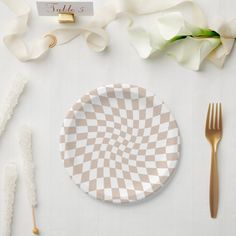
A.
x: 214, y: 184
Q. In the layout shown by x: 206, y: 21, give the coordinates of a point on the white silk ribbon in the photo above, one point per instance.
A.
x: 227, y: 31
x: 95, y: 35
x: 152, y: 25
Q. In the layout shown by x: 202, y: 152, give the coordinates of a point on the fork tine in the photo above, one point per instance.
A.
x: 217, y: 117
x: 220, y: 118
x: 212, y: 116
x: 208, y: 116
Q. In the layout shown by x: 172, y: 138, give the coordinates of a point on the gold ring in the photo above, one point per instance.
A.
x: 53, y: 40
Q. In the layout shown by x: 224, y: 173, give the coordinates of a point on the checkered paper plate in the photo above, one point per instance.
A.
x: 119, y: 143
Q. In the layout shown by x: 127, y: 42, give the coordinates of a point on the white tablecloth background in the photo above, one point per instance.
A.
x: 69, y: 71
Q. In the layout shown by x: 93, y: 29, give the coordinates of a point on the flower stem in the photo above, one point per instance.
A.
x: 200, y: 33
x: 206, y: 33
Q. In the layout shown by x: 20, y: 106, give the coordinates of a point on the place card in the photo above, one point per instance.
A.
x: 46, y: 8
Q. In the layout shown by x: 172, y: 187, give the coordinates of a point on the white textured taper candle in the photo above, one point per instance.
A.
x: 28, y: 170
x: 11, y: 100
x: 9, y: 188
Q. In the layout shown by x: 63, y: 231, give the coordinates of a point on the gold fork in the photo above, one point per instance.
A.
x: 213, y: 133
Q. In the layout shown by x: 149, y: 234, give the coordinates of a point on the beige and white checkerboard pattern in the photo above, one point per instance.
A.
x: 119, y: 143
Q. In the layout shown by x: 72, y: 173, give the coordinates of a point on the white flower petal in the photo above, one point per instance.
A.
x: 140, y: 39
x: 190, y: 52
x: 172, y: 24
x: 155, y: 35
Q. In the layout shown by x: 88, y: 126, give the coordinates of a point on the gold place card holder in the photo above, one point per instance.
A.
x: 66, y: 17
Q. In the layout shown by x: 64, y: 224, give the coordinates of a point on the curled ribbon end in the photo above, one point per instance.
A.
x: 53, y: 39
